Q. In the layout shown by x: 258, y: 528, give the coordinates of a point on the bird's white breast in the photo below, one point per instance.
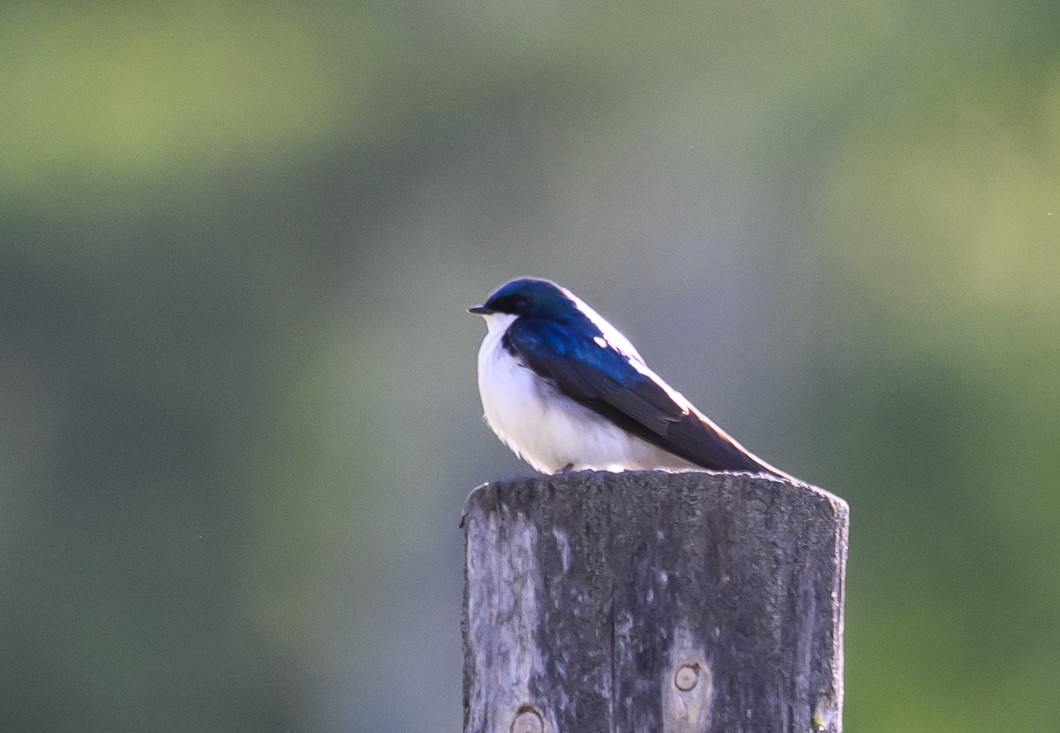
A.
x: 549, y: 431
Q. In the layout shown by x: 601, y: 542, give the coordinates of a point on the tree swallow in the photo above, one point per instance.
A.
x: 566, y: 391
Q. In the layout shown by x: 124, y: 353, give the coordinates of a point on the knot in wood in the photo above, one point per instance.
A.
x: 528, y: 720
x: 687, y: 677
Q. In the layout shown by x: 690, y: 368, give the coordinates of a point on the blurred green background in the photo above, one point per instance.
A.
x: 236, y: 241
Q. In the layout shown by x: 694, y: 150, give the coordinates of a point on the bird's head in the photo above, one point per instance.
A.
x: 529, y: 297
x: 534, y: 297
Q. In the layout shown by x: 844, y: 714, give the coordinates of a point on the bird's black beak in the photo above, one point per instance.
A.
x: 481, y: 310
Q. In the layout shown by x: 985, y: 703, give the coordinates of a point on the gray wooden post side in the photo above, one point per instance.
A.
x: 650, y: 602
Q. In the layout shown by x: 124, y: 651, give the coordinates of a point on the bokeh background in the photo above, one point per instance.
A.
x: 237, y: 382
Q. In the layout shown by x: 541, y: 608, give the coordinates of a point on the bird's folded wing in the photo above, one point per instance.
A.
x: 596, y: 375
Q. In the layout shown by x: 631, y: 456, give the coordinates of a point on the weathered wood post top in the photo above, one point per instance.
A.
x: 645, y: 601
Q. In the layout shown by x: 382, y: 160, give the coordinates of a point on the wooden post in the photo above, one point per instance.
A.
x: 644, y: 602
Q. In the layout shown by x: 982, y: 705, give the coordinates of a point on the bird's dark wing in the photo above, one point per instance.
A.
x: 598, y: 376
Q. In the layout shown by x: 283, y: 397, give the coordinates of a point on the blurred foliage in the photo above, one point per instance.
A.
x: 235, y: 244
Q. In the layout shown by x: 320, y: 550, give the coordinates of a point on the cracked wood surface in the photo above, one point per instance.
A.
x: 647, y: 601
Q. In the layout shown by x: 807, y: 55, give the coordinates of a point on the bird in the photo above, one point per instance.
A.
x: 566, y: 391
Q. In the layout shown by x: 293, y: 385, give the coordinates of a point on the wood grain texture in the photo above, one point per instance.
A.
x: 648, y: 601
